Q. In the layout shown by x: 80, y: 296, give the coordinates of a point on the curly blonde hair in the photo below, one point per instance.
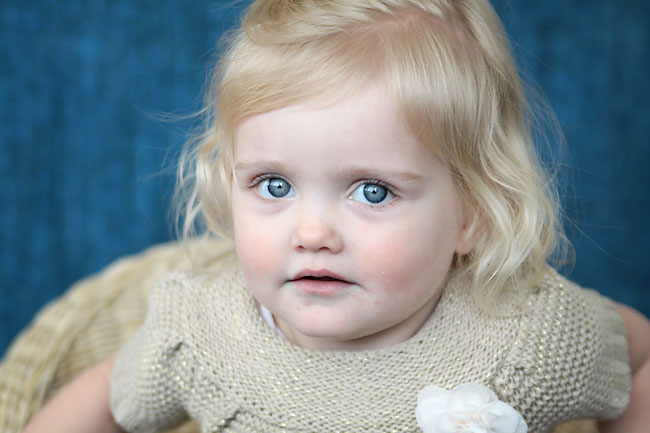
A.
x: 449, y: 68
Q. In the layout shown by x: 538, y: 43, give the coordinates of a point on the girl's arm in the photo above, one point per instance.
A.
x: 636, y: 417
x: 81, y: 406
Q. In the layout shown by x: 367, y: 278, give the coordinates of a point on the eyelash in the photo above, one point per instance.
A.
x: 261, y: 178
x: 380, y: 183
x: 258, y: 180
x: 377, y: 182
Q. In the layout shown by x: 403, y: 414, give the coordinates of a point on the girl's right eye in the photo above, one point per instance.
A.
x: 275, y: 187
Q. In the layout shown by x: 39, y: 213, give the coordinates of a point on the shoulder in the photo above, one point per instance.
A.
x: 151, y: 377
x: 187, y: 288
x: 570, y: 357
x: 196, y: 303
x: 582, y: 329
x: 570, y: 311
x: 573, y: 314
x: 154, y: 370
x: 183, y: 301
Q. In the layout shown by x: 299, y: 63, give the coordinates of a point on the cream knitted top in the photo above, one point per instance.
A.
x: 204, y: 351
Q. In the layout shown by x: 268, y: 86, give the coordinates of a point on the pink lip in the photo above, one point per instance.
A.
x: 318, y: 273
x: 318, y: 287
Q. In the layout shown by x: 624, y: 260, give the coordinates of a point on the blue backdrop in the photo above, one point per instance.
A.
x: 86, y: 164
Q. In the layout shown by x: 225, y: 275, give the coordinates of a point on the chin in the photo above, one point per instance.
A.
x: 333, y: 329
x: 326, y: 333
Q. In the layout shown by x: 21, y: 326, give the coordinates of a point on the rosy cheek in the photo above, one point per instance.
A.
x: 408, y: 258
x: 256, y: 248
x: 388, y: 260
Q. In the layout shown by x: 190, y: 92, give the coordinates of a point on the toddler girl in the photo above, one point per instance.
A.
x: 373, y: 162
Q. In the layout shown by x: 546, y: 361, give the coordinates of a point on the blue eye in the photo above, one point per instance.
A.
x: 371, y: 193
x: 275, y: 187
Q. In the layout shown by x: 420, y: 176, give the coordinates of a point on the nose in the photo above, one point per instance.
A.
x: 315, y: 234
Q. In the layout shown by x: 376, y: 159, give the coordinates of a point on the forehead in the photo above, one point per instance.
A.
x: 368, y: 119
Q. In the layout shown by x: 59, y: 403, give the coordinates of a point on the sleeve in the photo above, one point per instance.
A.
x: 151, y: 376
x: 570, y: 358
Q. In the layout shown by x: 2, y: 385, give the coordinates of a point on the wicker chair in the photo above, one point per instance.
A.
x: 93, y: 319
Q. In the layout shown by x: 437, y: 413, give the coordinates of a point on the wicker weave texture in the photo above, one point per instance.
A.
x: 88, y: 323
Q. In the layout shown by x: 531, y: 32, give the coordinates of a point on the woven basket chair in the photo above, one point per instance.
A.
x: 93, y: 319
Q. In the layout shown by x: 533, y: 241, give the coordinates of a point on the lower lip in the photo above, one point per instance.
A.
x: 320, y: 287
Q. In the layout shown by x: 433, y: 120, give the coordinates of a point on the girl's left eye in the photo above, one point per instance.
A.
x: 372, y: 193
x: 275, y: 187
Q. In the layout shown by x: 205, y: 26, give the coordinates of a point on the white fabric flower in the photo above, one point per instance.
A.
x: 468, y: 408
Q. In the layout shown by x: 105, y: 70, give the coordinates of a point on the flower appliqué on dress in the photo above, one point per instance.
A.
x: 468, y: 408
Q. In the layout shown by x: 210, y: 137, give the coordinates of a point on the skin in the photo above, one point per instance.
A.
x: 394, y: 255
x: 81, y: 406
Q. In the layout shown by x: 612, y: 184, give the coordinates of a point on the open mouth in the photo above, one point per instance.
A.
x: 310, y: 277
x: 319, y: 275
x: 320, y: 282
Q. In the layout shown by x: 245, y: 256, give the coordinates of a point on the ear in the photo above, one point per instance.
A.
x: 470, y: 233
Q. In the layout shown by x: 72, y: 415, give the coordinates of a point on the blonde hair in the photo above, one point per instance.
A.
x: 449, y: 68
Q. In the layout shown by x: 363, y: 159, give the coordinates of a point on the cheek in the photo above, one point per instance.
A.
x: 257, y: 246
x: 413, y: 256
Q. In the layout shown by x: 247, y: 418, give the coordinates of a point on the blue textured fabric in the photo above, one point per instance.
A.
x: 86, y: 164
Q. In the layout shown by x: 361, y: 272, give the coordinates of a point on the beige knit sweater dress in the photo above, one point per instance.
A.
x: 554, y: 353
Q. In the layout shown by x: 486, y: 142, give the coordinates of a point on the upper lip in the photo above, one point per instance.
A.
x: 317, y: 273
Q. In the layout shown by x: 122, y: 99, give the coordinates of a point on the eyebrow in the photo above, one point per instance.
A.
x: 349, y: 171
x: 370, y: 172
x: 256, y: 165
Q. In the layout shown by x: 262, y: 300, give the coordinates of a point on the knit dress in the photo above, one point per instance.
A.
x: 554, y: 352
